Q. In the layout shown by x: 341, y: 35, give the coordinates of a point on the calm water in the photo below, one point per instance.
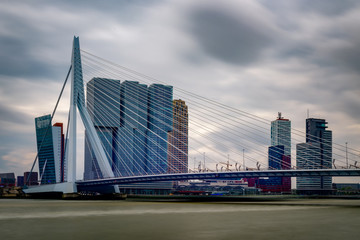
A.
x: 52, y: 219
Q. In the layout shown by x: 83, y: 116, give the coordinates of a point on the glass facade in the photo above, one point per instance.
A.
x: 159, y: 124
x: 316, y: 153
x: 49, y: 146
x: 132, y: 134
x: 132, y: 121
x: 281, y: 134
x: 103, y: 105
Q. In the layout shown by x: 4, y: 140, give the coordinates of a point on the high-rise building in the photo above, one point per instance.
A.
x: 103, y: 105
x: 132, y: 134
x: 316, y: 153
x: 49, y: 145
x: 132, y: 122
x: 279, y: 155
x: 159, y: 124
x: 281, y: 133
x: 178, y: 139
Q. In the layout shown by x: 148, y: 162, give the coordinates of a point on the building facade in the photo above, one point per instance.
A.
x: 178, y: 139
x: 281, y: 133
x: 159, y: 124
x: 103, y: 105
x: 132, y: 134
x: 316, y: 153
x: 50, y: 150
x: 132, y: 122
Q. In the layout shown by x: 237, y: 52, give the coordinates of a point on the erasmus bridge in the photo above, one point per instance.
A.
x: 235, y: 142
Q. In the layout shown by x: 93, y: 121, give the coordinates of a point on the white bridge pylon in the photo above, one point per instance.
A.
x: 77, y: 102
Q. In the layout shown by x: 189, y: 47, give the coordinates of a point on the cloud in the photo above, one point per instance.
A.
x: 228, y: 35
x: 17, y: 161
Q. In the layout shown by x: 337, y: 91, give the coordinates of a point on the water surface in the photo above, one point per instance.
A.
x: 56, y: 219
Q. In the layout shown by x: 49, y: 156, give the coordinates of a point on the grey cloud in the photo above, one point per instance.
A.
x: 15, y: 60
x: 9, y: 115
x: 227, y: 37
x: 327, y: 7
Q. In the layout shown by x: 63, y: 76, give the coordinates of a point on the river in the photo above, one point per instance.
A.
x: 57, y: 219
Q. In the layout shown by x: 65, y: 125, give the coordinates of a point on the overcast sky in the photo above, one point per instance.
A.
x: 259, y: 56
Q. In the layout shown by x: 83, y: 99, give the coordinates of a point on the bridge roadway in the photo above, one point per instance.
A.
x: 221, y: 175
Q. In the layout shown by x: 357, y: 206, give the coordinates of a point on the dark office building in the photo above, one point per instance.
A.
x: 316, y: 153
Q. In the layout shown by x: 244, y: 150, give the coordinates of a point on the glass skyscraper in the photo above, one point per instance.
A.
x: 132, y: 122
x: 103, y: 105
x: 281, y: 134
x: 316, y: 153
x: 132, y: 134
x: 50, y: 150
x: 159, y: 124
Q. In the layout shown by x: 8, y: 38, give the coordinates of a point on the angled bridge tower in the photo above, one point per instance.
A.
x: 77, y: 101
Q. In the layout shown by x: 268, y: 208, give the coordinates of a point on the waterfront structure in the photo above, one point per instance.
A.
x: 103, y: 106
x: 132, y: 122
x: 50, y: 149
x: 159, y: 124
x: 316, y: 153
x: 132, y: 134
x: 178, y: 139
x: 281, y: 133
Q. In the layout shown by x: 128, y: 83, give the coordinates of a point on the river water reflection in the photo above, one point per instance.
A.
x: 56, y: 219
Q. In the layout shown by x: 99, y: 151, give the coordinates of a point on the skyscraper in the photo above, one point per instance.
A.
x: 49, y: 147
x: 178, y: 139
x: 103, y: 105
x: 159, y: 124
x: 132, y: 134
x: 132, y: 122
x: 281, y: 133
x: 316, y: 153
x: 280, y: 154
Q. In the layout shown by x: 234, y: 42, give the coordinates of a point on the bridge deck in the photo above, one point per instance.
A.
x: 219, y: 175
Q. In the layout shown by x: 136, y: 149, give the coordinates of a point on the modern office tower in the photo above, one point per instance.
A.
x: 132, y: 133
x: 159, y: 124
x: 31, y: 178
x: 49, y: 150
x: 280, y: 152
x: 178, y: 139
x: 103, y: 105
x: 281, y: 133
x: 316, y: 153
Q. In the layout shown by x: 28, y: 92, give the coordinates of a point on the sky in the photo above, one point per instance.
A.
x: 259, y: 56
